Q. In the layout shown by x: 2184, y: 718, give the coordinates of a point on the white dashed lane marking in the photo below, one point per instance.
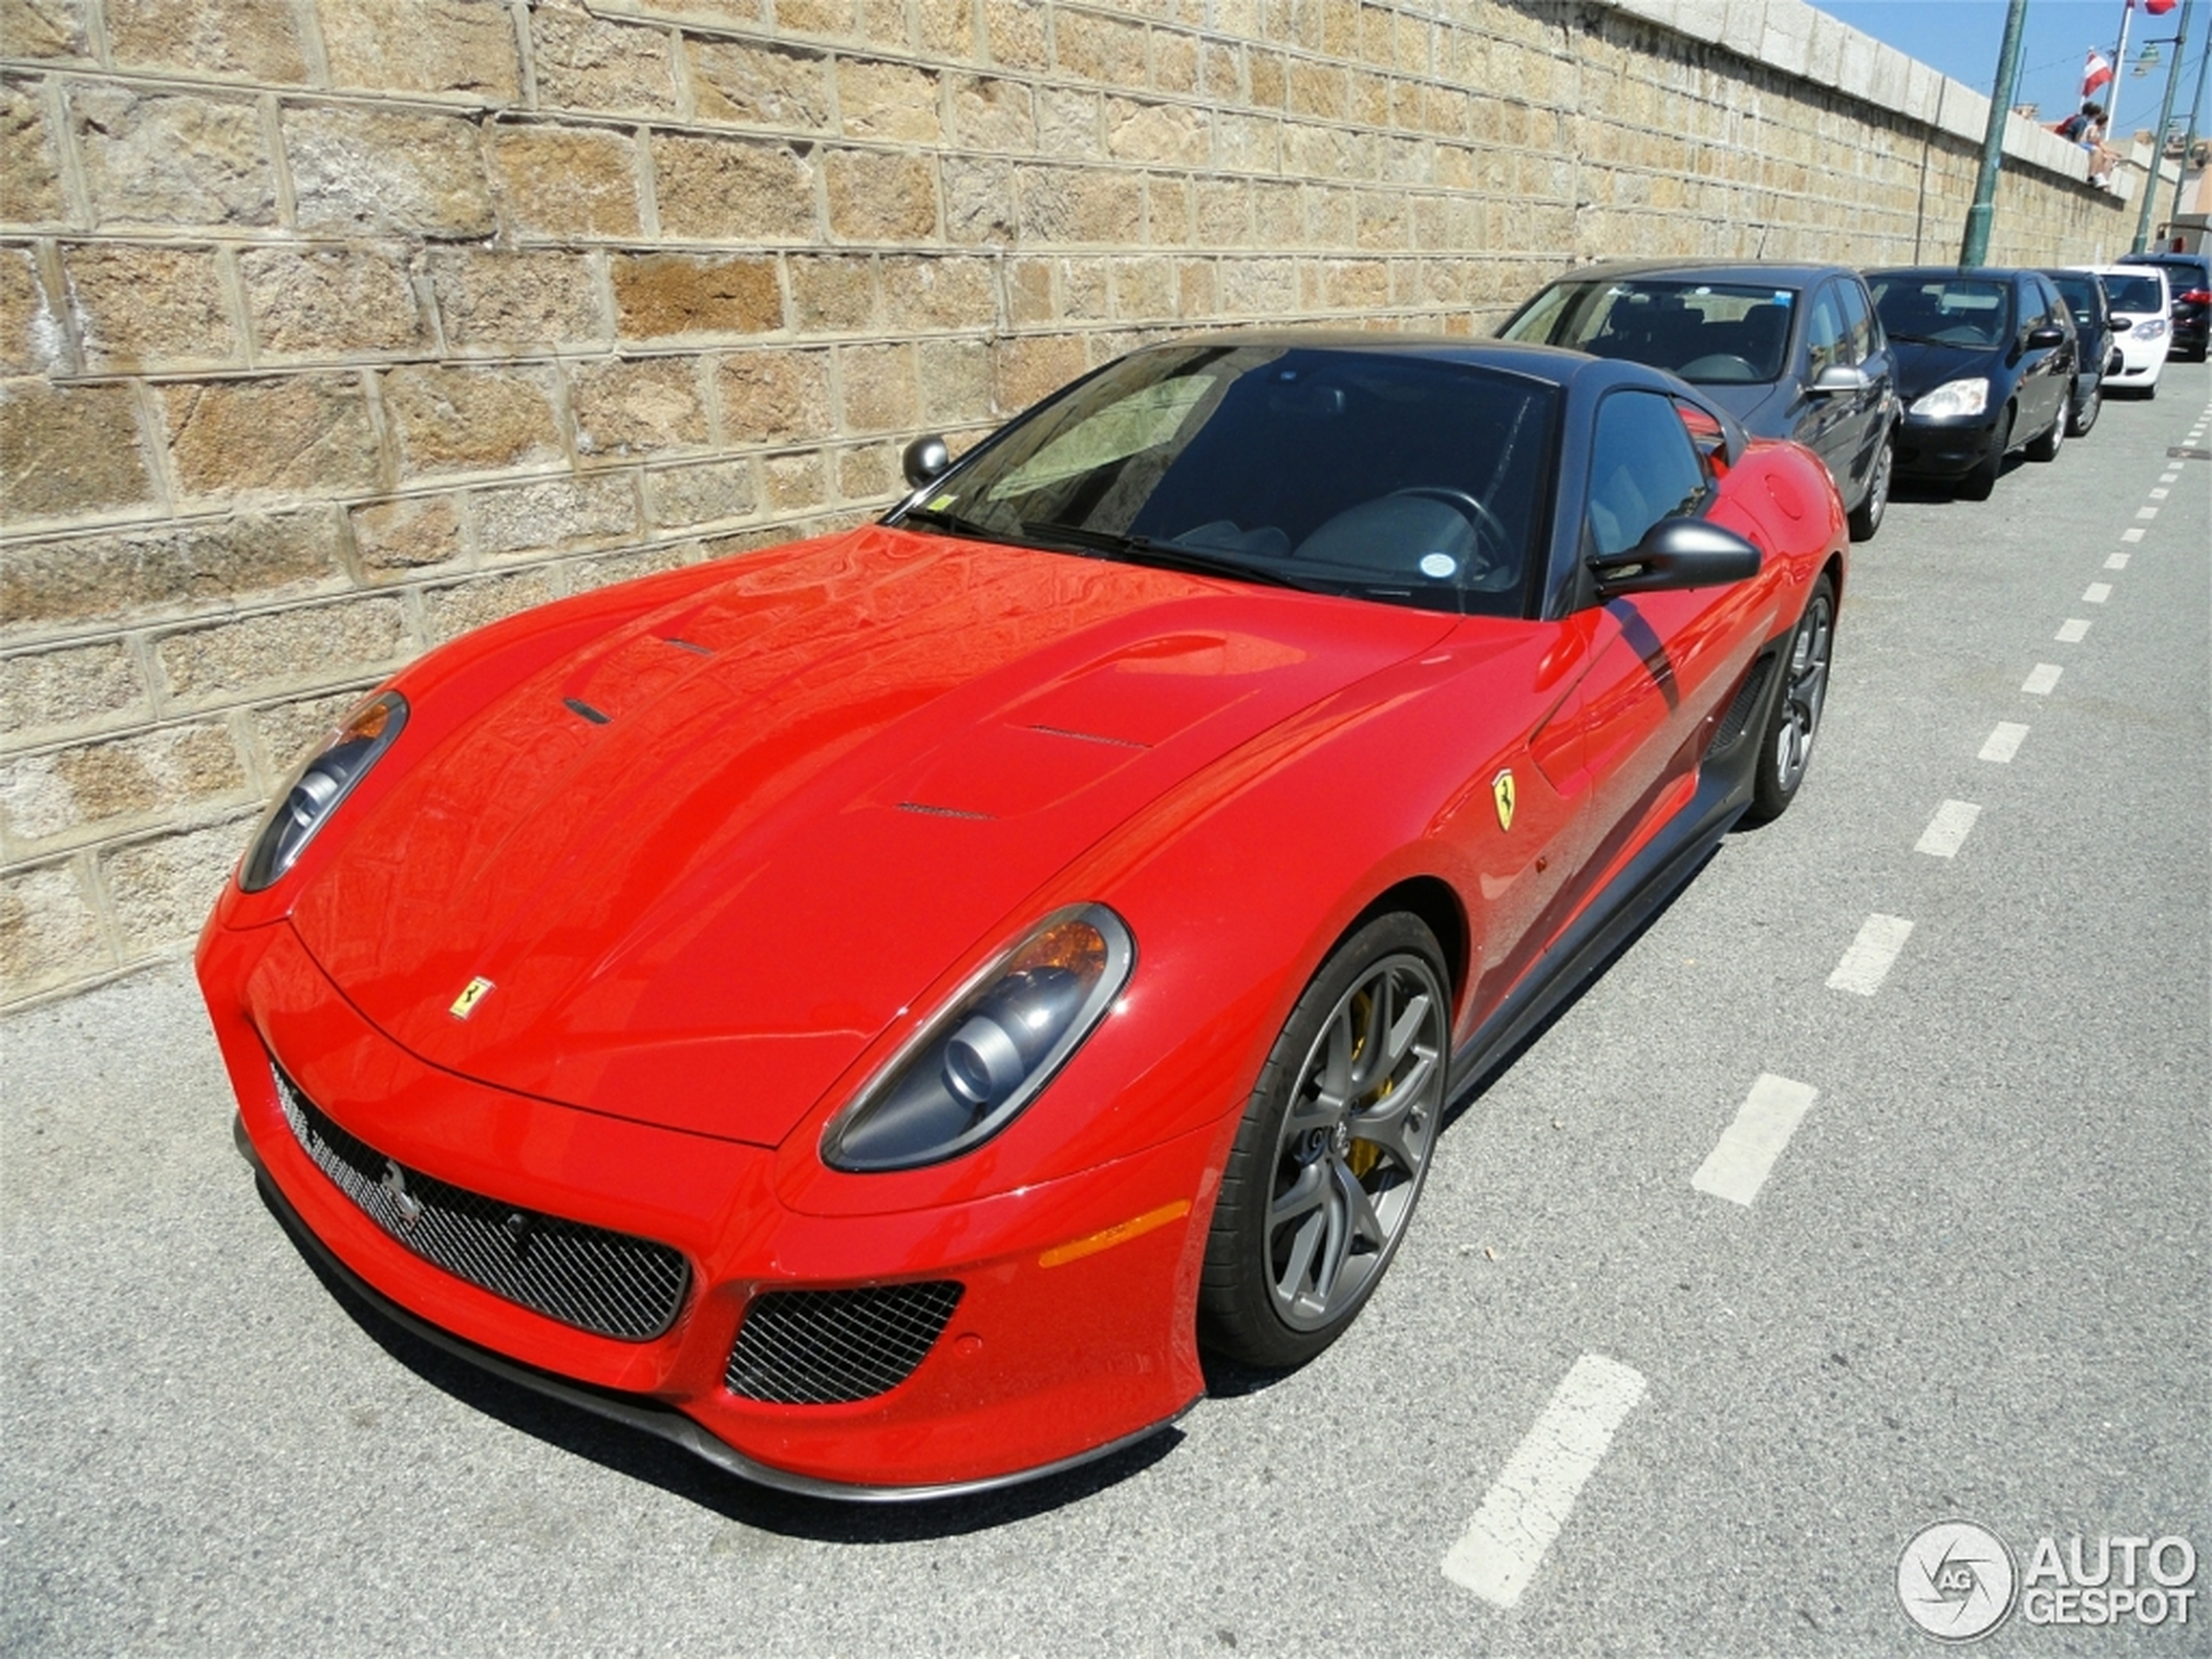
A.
x: 2117, y: 562
x: 2041, y: 678
x: 1739, y: 1165
x: 1872, y: 956
x: 2071, y: 631
x: 2146, y: 512
x: 2131, y: 535
x: 2004, y: 743
x: 2159, y: 495
x: 2096, y: 593
x: 1946, y: 831
x: 1527, y: 1505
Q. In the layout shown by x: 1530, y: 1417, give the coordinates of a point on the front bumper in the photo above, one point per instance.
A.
x: 1071, y: 1336
x: 1944, y: 448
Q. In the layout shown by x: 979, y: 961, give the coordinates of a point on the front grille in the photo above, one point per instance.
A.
x: 1740, y: 711
x: 828, y: 1348
x: 604, y: 1282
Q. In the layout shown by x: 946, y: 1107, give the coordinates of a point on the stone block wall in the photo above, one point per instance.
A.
x: 329, y: 330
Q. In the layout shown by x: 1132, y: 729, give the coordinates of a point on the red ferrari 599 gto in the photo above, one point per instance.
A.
x: 876, y: 1010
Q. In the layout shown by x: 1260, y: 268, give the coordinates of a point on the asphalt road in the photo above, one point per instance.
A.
x: 1639, y: 1383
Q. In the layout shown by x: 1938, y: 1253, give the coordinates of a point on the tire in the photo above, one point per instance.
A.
x: 2150, y: 391
x: 1786, y: 747
x: 2086, y: 416
x: 1979, y: 483
x: 1866, y: 517
x: 1334, y: 1146
x: 2046, y: 446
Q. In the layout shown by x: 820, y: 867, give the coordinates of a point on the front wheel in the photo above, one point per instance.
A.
x: 2091, y: 406
x: 1785, y: 749
x: 1334, y: 1145
x: 2046, y: 446
x: 1866, y: 517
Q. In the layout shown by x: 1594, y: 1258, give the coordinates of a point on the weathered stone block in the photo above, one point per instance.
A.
x: 469, y: 420
x: 1032, y: 296
x: 76, y: 686
x: 979, y: 202
x: 565, y: 181
x: 1083, y: 296
x: 948, y: 28
x: 1076, y: 205
x: 1100, y: 49
x: 51, y: 28
x: 407, y: 534
x: 330, y: 302
x: 380, y: 172
x: 795, y: 482
x: 554, y: 513
x: 31, y: 340
x: 304, y: 643
x: 585, y: 575
x: 219, y: 37
x: 1033, y: 367
x: 66, y: 450
x: 30, y: 179
x: 1322, y: 92
x: 515, y: 302
x: 759, y: 85
x: 733, y: 190
x: 896, y: 102
x: 50, y: 933
x: 156, y: 159
x: 1260, y: 287
x: 637, y: 408
x: 149, y: 308
x: 870, y: 473
x: 1168, y: 204
x: 992, y: 114
x: 880, y: 393
x: 939, y: 293
x: 463, y: 47
x: 105, y: 578
x: 1014, y: 33
x: 585, y: 63
x: 1224, y: 212
x: 1143, y: 288
x: 817, y: 16
x: 90, y: 784
x: 451, y: 612
x: 1271, y: 79
x: 832, y: 294
x: 713, y: 492
x: 305, y: 433
x: 1168, y: 134
x: 162, y: 890
x: 879, y: 198
x: 1221, y: 73
x: 661, y: 295
x: 1198, y: 289
x: 775, y: 397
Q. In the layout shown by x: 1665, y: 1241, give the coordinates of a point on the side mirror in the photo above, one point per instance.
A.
x: 1841, y: 377
x: 1677, y: 553
x: 2049, y: 334
x: 925, y: 460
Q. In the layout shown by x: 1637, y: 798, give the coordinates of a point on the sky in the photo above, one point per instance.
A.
x: 1961, y: 37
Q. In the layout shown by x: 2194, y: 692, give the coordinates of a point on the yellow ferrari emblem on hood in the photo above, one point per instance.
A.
x: 465, y: 1004
x: 1502, y: 792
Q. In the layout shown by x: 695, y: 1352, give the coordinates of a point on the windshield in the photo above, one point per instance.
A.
x: 2079, y: 294
x: 1712, y: 332
x: 1944, y: 310
x: 1380, y: 475
x: 2135, y: 293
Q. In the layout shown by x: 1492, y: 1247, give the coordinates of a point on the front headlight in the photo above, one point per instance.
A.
x: 327, y: 778
x: 970, y: 1072
x: 2149, y: 328
x: 1953, y: 399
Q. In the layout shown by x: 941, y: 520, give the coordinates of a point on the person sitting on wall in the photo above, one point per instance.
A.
x: 2076, y: 126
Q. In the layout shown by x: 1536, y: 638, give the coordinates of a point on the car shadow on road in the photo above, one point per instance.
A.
x: 643, y: 1457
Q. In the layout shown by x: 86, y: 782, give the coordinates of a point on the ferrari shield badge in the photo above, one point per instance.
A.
x: 1502, y: 794
x: 479, y: 987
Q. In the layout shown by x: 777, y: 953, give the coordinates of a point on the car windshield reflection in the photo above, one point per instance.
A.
x: 1715, y: 334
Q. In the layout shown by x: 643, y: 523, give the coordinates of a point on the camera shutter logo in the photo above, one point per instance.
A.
x: 1956, y: 1580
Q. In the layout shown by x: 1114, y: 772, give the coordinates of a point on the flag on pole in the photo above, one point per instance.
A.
x: 2158, y: 7
x: 2097, y: 72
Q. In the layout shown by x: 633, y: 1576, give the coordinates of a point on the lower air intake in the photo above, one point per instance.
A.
x: 830, y: 1348
x: 607, y: 1283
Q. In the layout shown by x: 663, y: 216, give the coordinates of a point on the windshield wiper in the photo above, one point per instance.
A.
x: 1172, y: 555
x: 1914, y: 340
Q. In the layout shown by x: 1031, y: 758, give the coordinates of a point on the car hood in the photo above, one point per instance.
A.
x: 1761, y: 407
x: 704, y: 860
x: 1921, y: 368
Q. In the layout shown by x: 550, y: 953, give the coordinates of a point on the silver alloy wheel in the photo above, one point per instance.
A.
x: 1806, y: 692
x: 1355, y: 1140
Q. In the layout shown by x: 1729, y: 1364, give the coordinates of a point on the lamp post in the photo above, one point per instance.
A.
x: 2188, y: 131
x: 2158, y: 132
x: 1973, y: 248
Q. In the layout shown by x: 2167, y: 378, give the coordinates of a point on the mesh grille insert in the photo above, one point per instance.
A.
x: 1747, y: 700
x: 607, y: 1283
x: 827, y: 1347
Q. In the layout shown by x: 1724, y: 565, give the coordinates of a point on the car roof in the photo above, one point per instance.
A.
x: 1977, y: 272
x: 1555, y: 364
x: 1787, y: 273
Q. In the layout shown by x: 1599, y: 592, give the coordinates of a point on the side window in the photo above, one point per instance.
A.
x: 2034, y: 312
x: 1861, y: 340
x: 1825, y: 332
x: 1643, y: 469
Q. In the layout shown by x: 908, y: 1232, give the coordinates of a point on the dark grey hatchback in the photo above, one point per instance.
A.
x: 1791, y: 351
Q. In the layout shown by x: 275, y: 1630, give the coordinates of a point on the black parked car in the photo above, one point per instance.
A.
x: 1791, y: 351
x: 1984, y: 364
x: 2096, y: 342
x: 2190, y: 278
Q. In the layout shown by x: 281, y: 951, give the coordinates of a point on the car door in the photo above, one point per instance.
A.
x: 2044, y: 369
x: 1829, y: 426
x: 1867, y: 350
